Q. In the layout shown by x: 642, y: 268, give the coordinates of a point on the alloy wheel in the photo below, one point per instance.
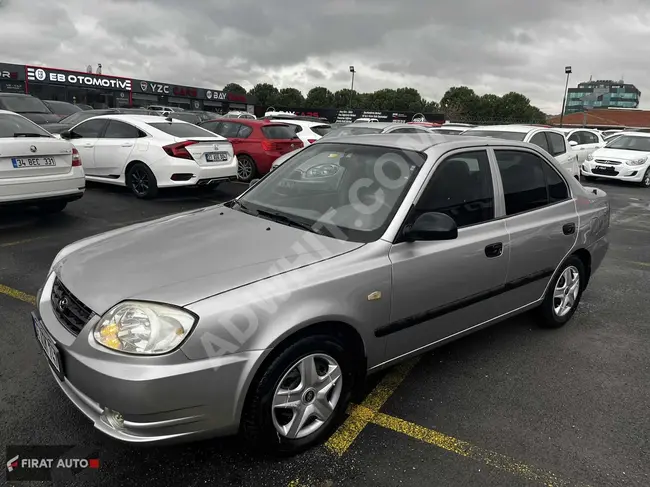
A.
x: 566, y: 291
x: 140, y: 182
x: 646, y: 179
x: 245, y: 169
x: 306, y: 396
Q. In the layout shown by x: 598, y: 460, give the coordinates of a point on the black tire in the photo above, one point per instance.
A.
x: 645, y: 182
x: 257, y: 429
x: 547, y: 315
x: 51, y: 207
x: 589, y: 178
x: 246, y: 168
x: 141, y: 181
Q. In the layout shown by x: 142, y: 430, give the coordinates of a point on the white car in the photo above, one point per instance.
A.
x: 307, y: 132
x: 451, y: 130
x: 586, y: 141
x: 238, y: 114
x: 365, y: 120
x: 145, y: 153
x: 626, y: 158
x: 35, y: 167
x: 551, y: 140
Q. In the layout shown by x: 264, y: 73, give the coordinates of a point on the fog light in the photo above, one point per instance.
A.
x: 113, y: 418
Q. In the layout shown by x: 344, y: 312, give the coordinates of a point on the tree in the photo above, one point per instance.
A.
x: 459, y: 103
x: 290, y: 97
x: 487, y: 110
x: 408, y: 99
x: 347, y: 98
x: 266, y: 94
x: 234, y: 88
x: 319, y: 97
x: 431, y: 107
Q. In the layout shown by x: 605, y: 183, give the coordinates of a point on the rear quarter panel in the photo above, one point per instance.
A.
x: 593, y: 207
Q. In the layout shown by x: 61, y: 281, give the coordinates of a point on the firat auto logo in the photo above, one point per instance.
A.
x: 12, y: 464
x: 46, y: 75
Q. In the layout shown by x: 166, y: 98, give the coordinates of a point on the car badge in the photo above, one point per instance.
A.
x: 143, y: 85
x: 374, y: 296
x: 33, y: 148
x: 216, y: 147
x: 63, y: 304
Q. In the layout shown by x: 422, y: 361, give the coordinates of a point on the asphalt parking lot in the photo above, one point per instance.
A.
x: 511, y: 405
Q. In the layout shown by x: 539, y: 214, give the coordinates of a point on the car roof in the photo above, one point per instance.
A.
x: 136, y: 118
x: 378, y: 125
x: 252, y: 121
x: 302, y: 123
x: 524, y: 129
x: 635, y: 134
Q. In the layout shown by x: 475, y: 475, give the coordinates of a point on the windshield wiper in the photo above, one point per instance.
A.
x: 29, y: 134
x: 279, y: 218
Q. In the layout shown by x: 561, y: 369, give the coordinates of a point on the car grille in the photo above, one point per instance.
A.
x: 70, y: 312
x: 604, y: 161
x: 609, y: 171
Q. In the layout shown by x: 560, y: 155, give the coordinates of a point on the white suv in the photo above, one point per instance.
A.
x: 307, y: 132
x: 35, y: 167
x: 551, y: 140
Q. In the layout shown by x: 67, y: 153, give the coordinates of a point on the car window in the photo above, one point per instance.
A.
x: 227, y: 129
x: 630, y: 142
x: 576, y: 137
x: 120, y: 130
x: 89, y: 129
x: 23, y: 104
x: 211, y: 126
x: 499, y: 134
x: 588, y: 137
x: 539, y: 139
x: 75, y: 118
x: 244, y: 131
x: 11, y: 125
x: 180, y: 129
x: 61, y: 107
x: 278, y: 132
x: 347, y: 191
x: 321, y: 129
x: 461, y: 187
x: 525, y: 178
x: 558, y: 146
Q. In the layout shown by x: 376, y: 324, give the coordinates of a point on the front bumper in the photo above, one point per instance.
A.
x: 624, y: 172
x: 167, y: 398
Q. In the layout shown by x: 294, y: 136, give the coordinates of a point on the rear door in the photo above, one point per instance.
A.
x: 563, y: 152
x: 84, y: 137
x: 28, y: 150
x: 281, y: 138
x: 114, y: 148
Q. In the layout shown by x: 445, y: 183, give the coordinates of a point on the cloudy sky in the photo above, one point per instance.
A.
x: 492, y: 46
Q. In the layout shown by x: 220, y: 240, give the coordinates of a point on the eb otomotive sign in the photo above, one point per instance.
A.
x: 46, y: 75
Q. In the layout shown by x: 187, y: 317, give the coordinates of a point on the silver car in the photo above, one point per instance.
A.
x: 261, y: 316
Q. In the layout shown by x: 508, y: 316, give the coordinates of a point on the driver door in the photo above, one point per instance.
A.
x: 442, y: 288
x: 84, y: 137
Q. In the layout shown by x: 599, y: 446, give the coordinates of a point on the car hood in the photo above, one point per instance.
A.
x: 622, y: 154
x: 41, y: 118
x: 188, y: 257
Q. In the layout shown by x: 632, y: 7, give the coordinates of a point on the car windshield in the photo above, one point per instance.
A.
x: 279, y: 131
x: 62, y: 108
x: 181, y: 129
x: 321, y: 130
x: 630, y: 142
x: 24, y: 104
x: 186, y: 117
x: 345, y: 191
x: 75, y: 118
x: 17, y: 126
x: 499, y: 134
x: 343, y: 131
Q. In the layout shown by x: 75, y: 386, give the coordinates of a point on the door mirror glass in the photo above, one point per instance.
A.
x: 66, y: 134
x: 431, y: 226
x: 573, y: 143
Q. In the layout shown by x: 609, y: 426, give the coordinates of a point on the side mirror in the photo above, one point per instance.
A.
x: 66, y: 134
x: 253, y: 182
x: 431, y: 226
x: 573, y: 143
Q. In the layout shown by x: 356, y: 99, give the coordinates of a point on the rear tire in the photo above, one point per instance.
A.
x: 51, y: 207
x: 141, y: 181
x: 262, y: 423
x: 563, y: 295
x: 645, y: 182
x: 246, y: 168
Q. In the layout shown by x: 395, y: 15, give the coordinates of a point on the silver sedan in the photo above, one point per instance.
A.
x: 261, y: 316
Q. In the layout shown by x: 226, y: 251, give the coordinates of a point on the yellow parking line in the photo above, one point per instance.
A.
x: 14, y: 293
x: 465, y: 449
x: 343, y: 437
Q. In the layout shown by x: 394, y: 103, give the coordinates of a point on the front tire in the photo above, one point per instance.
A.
x: 300, y: 397
x: 246, y: 168
x: 645, y: 182
x: 589, y: 178
x: 563, y: 295
x: 142, y: 182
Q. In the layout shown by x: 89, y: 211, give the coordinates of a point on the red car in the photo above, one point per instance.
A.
x: 257, y: 143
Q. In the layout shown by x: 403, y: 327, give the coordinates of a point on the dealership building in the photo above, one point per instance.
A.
x: 104, y: 91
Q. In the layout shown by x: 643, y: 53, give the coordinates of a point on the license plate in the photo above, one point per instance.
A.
x: 216, y: 156
x: 19, y: 162
x: 48, y: 345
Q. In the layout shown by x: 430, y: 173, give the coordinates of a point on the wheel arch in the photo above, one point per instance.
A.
x: 585, y: 258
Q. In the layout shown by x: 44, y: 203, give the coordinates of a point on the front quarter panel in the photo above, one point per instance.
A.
x: 263, y: 314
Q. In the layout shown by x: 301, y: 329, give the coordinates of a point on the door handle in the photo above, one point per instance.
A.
x: 494, y: 250
x: 87, y: 145
x: 569, y: 228
x: 127, y: 144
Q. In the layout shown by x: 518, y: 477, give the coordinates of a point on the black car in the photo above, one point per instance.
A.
x: 193, y: 116
x: 61, y: 108
x: 72, y: 120
x: 29, y: 107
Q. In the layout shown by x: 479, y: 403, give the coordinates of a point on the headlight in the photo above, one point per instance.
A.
x: 638, y: 162
x: 322, y: 171
x: 590, y: 157
x: 143, y: 328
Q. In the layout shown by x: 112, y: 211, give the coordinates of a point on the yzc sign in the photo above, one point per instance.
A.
x: 154, y: 88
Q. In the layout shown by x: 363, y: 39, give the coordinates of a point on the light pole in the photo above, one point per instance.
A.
x: 567, y: 71
x: 352, y: 85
